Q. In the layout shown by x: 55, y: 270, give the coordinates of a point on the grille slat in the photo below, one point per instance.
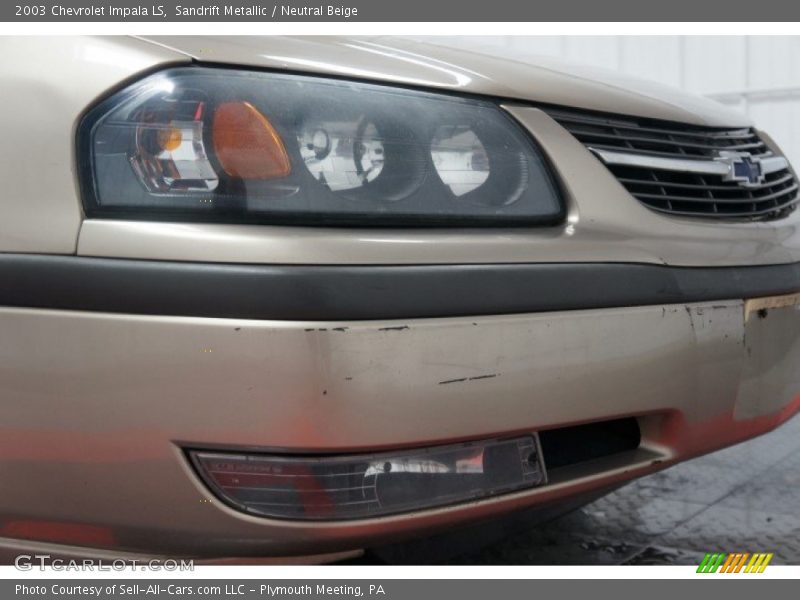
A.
x: 682, y: 151
x: 746, y: 200
x: 680, y: 189
x: 662, y: 128
x: 710, y: 148
x: 755, y: 213
x: 712, y: 188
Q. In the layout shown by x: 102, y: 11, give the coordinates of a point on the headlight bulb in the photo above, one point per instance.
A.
x: 368, y: 153
x: 343, y: 155
x: 320, y: 144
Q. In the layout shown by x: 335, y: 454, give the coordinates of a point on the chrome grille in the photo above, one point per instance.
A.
x: 688, y: 170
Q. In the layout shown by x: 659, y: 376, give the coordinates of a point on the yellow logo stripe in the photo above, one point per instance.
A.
x: 761, y: 558
x: 752, y: 562
x: 766, y: 562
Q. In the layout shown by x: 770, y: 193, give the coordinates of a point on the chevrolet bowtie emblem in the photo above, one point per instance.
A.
x: 744, y: 168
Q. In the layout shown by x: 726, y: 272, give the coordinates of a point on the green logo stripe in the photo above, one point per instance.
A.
x: 711, y: 562
x: 702, y: 567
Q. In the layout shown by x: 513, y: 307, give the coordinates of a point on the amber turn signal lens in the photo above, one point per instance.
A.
x: 247, y: 144
x: 169, y: 138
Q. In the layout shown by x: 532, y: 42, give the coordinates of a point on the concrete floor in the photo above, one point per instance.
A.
x: 744, y: 498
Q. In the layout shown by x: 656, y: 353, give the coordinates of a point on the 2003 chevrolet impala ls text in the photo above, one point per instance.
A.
x: 281, y: 297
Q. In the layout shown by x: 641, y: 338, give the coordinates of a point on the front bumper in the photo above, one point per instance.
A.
x: 99, y: 407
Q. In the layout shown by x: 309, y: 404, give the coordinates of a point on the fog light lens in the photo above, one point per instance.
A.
x: 369, y: 485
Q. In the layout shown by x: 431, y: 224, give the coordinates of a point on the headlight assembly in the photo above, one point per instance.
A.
x: 200, y: 143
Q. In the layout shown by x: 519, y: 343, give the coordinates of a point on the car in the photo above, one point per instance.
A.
x: 269, y: 297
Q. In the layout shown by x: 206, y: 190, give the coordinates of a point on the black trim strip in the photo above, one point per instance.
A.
x: 339, y: 293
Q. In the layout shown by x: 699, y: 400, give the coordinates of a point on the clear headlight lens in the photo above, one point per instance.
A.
x: 202, y: 143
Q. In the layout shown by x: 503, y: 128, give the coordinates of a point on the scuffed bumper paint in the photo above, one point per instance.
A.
x: 98, y: 408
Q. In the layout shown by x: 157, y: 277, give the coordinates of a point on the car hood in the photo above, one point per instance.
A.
x: 407, y: 62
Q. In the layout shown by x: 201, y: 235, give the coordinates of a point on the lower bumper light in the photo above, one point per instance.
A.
x: 370, y: 485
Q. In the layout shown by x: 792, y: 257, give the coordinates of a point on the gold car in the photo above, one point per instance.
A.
x: 281, y: 297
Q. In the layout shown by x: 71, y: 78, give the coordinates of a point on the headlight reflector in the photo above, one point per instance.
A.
x: 199, y: 143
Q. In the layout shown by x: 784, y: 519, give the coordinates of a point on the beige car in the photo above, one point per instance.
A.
x: 267, y: 297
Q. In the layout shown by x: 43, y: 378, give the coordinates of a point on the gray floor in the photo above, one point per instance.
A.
x: 744, y: 498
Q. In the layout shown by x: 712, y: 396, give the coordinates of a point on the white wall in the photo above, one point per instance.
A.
x: 759, y: 75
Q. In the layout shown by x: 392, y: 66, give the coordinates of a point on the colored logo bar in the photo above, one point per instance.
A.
x: 737, y: 562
